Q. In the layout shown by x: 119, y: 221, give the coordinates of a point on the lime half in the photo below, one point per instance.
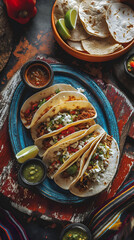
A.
x: 62, y: 29
x: 71, y: 19
x: 27, y: 153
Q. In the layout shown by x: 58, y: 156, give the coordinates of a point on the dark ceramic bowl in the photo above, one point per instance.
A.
x: 131, y: 75
x: 32, y: 172
x: 37, y: 75
x: 79, y: 226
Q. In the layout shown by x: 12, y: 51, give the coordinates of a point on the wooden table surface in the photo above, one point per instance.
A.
x: 35, y: 40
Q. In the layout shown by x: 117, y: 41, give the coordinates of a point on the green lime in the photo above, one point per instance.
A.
x: 70, y: 19
x: 62, y: 29
x: 27, y: 153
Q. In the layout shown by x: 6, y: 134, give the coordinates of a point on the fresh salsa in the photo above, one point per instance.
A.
x: 62, y: 119
x: 97, y: 165
x: 34, y: 106
x: 130, y: 64
x: 75, y: 234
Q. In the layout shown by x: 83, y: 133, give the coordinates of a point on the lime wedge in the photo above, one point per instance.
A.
x: 27, y: 153
x: 62, y: 29
x: 70, y: 19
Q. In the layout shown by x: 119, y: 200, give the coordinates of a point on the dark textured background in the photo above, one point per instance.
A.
x: 36, y: 229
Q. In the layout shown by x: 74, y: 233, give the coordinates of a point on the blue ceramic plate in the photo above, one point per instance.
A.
x: 21, y: 138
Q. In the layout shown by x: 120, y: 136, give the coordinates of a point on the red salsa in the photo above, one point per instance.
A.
x: 37, y: 75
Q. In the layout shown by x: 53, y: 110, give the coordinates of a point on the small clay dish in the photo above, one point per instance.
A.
x: 32, y: 172
x: 37, y: 75
x: 76, y: 228
x: 126, y: 66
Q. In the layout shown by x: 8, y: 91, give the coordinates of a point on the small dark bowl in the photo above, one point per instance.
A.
x: 131, y: 75
x: 23, y: 180
x: 44, y: 67
x: 76, y: 226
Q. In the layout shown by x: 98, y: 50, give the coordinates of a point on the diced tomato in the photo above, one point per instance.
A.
x: 55, y: 162
x: 71, y: 130
x: 73, y: 112
x: 64, y: 133
x: 132, y: 64
x: 27, y: 112
x: 89, y: 167
x: 85, y: 143
x: 97, y: 157
x: 60, y: 126
x: 34, y: 106
x: 71, y: 149
x: 37, y: 83
x: 48, y: 98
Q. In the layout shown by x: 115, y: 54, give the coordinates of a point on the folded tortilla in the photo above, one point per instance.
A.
x: 59, y: 157
x: 53, y: 139
x: 99, y: 170
x: 62, y: 115
x: 65, y: 177
x: 30, y: 109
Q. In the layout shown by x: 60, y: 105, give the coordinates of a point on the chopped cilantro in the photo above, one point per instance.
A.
x: 57, y: 90
x: 41, y: 102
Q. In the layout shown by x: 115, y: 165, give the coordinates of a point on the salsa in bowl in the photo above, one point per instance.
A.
x: 37, y: 75
x: 32, y: 172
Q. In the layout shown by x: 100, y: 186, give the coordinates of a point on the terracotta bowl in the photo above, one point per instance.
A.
x: 86, y: 56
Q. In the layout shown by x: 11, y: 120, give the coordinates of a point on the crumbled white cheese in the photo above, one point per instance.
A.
x: 58, y: 153
x: 67, y: 119
x: 80, y: 147
x: 49, y: 129
x: 80, y: 90
x: 82, y: 143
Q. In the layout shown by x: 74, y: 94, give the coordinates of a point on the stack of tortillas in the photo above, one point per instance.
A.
x: 6, y: 39
x: 103, y: 26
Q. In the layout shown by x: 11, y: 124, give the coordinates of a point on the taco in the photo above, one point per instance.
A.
x: 59, y: 157
x: 53, y: 139
x: 64, y: 178
x: 99, y: 170
x: 33, y: 103
x: 62, y: 115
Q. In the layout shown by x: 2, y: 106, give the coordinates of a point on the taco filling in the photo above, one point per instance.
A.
x: 97, y: 165
x: 62, y: 119
x: 49, y: 142
x: 34, y: 106
x: 63, y: 155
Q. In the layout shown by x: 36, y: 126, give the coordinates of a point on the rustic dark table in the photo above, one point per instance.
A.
x: 36, y: 39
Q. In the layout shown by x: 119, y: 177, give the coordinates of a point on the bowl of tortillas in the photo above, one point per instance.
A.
x: 104, y: 29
